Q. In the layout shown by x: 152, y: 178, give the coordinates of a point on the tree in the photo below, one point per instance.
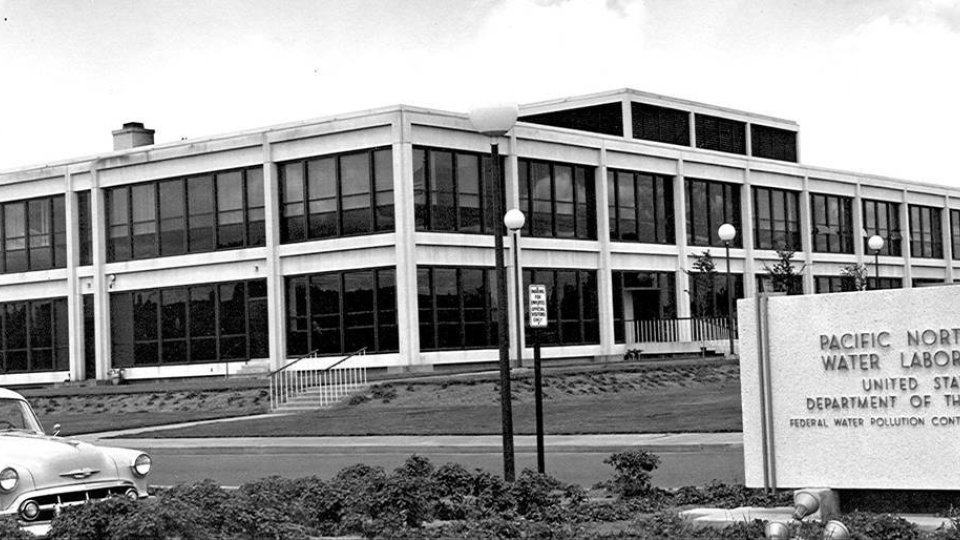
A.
x: 857, y: 273
x: 704, y: 279
x: 784, y: 277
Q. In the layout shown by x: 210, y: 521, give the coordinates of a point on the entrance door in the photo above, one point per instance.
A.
x: 648, y: 312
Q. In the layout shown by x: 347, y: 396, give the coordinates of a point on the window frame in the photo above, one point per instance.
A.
x: 929, y: 241
x: 663, y: 230
x: 732, y: 208
x: 891, y: 233
x: 584, y: 226
x: 844, y: 225
x: 790, y: 230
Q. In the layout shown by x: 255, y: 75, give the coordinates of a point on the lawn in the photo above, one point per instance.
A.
x: 649, y: 400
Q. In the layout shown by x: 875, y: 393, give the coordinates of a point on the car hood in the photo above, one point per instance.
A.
x: 55, y: 460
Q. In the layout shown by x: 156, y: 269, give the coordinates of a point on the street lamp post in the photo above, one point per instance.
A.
x: 514, y: 220
x: 727, y: 233
x: 495, y: 121
x: 876, y: 244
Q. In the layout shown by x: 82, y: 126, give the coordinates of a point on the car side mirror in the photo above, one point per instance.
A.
x: 56, y: 429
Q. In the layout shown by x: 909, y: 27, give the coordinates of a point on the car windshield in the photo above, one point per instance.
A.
x: 16, y: 415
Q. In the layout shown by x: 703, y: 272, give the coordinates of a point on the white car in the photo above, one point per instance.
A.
x: 41, y: 474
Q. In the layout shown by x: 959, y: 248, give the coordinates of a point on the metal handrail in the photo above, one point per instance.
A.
x: 311, y: 354
x: 286, y: 383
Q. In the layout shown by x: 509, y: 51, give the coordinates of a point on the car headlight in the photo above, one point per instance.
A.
x: 141, y: 465
x: 8, y: 480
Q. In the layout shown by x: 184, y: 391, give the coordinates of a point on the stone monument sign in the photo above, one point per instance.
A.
x: 852, y: 390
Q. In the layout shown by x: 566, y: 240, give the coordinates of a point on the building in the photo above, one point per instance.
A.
x: 203, y: 257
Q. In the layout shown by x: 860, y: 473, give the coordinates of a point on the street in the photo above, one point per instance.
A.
x: 228, y: 467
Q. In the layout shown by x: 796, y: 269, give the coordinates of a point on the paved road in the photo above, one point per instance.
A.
x: 687, y: 459
x: 677, y: 469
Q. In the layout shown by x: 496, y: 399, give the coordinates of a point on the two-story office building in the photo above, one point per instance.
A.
x: 372, y: 230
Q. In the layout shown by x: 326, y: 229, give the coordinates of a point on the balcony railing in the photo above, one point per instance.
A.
x: 679, y: 330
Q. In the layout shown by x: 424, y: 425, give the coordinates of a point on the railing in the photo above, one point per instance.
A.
x: 329, y: 384
x: 680, y: 330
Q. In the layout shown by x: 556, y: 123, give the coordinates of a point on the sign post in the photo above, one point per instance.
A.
x: 538, y: 320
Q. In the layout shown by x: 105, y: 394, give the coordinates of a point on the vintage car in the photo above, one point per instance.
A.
x: 41, y: 474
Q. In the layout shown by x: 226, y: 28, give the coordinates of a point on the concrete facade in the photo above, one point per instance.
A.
x: 401, y: 128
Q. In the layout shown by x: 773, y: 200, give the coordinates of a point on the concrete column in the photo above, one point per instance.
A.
x: 947, y: 243
x: 626, y: 108
x: 101, y: 292
x: 905, y: 240
x: 858, y: 229
x: 276, y: 297
x: 680, y: 226
x: 604, y: 263
x: 747, y: 133
x: 74, y: 299
x: 693, y: 130
x: 408, y: 327
x: 806, y: 236
x: 749, y: 264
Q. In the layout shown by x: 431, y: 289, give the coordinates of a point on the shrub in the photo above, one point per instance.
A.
x: 91, y: 521
x: 632, y: 472
x: 407, y: 497
x: 492, y: 496
x: 349, y: 499
x: 864, y: 526
x: 159, y: 519
x: 542, y: 497
x: 724, y: 495
x: 206, y: 496
x: 10, y: 530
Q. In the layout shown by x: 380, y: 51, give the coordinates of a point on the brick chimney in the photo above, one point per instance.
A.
x: 131, y: 135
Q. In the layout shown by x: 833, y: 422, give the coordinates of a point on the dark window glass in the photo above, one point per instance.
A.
x: 85, y: 223
x: 40, y: 234
x: 558, y: 200
x: 469, y: 209
x: 832, y: 284
x: 421, y: 208
x: 199, y: 323
x: 708, y: 297
x: 455, y: 308
x: 173, y: 222
x: 339, y: 195
x: 832, y: 223
x: 341, y: 312
x: 606, y: 118
x: 572, y: 306
x: 776, y: 219
x: 451, y: 191
x: 882, y: 218
x: 955, y: 233
x: 710, y: 204
x: 143, y: 204
x: 256, y: 233
x: 34, y: 336
x: 200, y: 218
x: 15, y: 236
x: 644, y: 306
x: 118, y: 216
x: 59, y: 232
x: 884, y: 283
x: 773, y: 143
x: 641, y: 207
x: 926, y: 235
x: 660, y: 124
x: 723, y: 134
x: 442, y: 192
x: 230, y: 211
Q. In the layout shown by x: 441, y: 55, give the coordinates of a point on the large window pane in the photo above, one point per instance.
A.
x: 230, y: 210
x: 15, y: 236
x: 355, y: 193
x: 455, y: 308
x: 256, y: 233
x: 173, y: 223
x: 383, y: 184
x: 144, y: 215
x: 322, y: 189
x: 40, y: 230
x: 200, y: 203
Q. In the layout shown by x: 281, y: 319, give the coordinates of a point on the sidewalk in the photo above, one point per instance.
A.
x: 658, y: 442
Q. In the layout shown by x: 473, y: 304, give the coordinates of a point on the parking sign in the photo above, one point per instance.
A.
x: 538, y: 306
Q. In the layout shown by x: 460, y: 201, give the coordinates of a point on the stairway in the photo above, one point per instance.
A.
x: 317, y: 398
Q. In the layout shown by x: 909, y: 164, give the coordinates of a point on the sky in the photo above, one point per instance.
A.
x: 873, y: 84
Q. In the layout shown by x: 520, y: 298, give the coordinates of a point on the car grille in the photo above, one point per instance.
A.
x: 51, y: 504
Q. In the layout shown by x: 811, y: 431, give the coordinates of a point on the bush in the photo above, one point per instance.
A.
x: 724, y: 495
x: 10, y: 530
x: 864, y: 526
x: 159, y: 519
x: 91, y: 521
x: 632, y: 472
x: 407, y: 497
x: 544, y: 498
x: 205, y: 496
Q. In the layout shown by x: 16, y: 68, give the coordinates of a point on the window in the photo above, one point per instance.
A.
x: 776, y: 219
x: 832, y: 284
x: 794, y: 286
x: 955, y: 233
x: 832, y: 223
x: 217, y: 211
x: 572, y: 307
x: 339, y: 313
x: 85, y: 224
x: 882, y: 218
x: 558, y: 200
x: 709, y: 205
x: 641, y: 207
x: 773, y: 143
x: 642, y: 296
x: 708, y: 296
x: 926, y: 236
x: 884, y: 283
x: 451, y: 191
x: 928, y: 282
x: 606, y: 118
x: 194, y: 324
x: 457, y: 308
x: 722, y: 134
x: 34, y: 234
x: 35, y: 336
x: 660, y: 124
x: 339, y: 195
